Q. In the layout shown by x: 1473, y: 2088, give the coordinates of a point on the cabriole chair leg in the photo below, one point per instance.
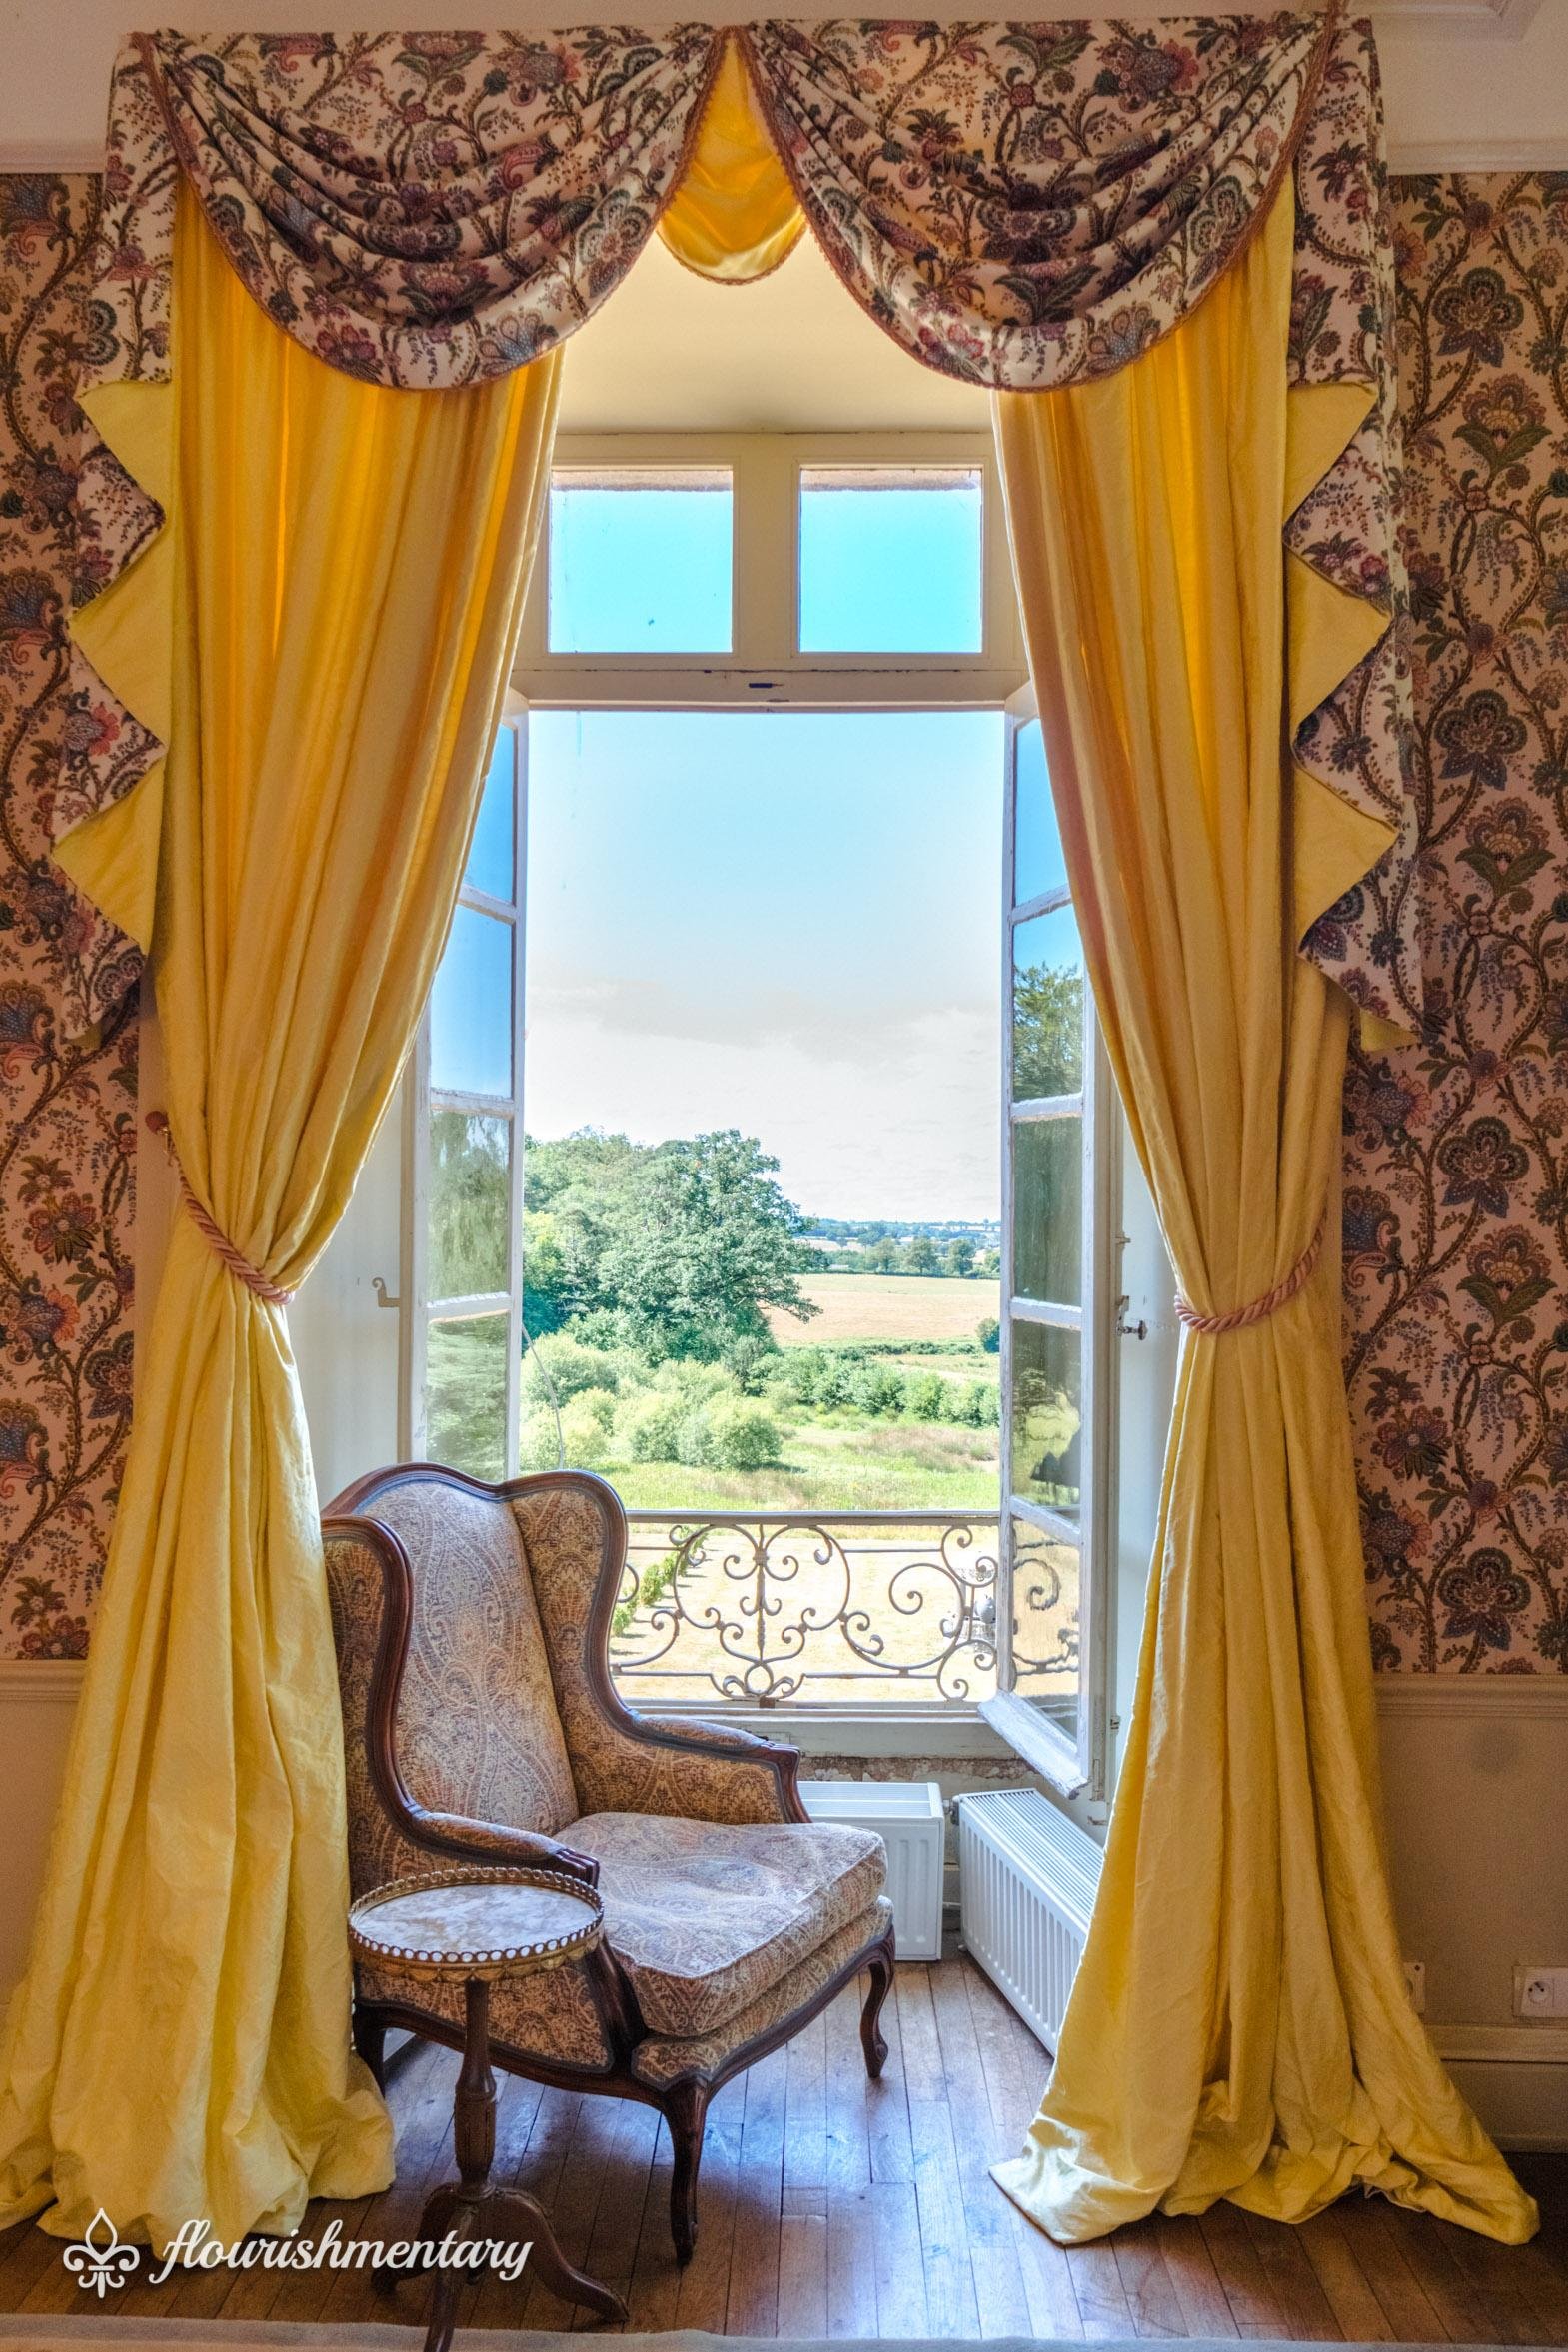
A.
x: 685, y: 2108
x: 879, y: 1968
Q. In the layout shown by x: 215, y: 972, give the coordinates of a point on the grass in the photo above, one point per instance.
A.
x: 887, y: 1307
x: 831, y: 1459
x: 841, y: 1460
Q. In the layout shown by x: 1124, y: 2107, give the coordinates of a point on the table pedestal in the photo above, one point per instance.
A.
x: 473, y: 2209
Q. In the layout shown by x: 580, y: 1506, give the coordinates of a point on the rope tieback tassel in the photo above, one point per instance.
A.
x: 213, y: 1234
x: 1241, y: 1319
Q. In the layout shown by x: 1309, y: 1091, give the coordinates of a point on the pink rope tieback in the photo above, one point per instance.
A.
x: 238, y: 1265
x: 1241, y: 1319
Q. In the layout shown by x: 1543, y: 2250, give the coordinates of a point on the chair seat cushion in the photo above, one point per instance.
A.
x: 662, y: 2060
x: 705, y: 1918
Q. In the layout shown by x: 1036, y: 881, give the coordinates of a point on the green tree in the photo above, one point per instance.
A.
x: 960, y: 1259
x: 1047, y: 1030
x: 988, y: 1333
x: 699, y: 1245
x: 469, y: 1200
x: 920, y: 1255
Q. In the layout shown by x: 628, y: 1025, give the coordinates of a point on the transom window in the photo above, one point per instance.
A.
x: 857, y: 1406
x: 798, y: 567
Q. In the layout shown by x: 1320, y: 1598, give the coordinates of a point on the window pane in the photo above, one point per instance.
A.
x: 1046, y: 1415
x: 1045, y: 1624
x: 470, y: 1189
x: 1047, y: 1210
x: 466, y: 1390
x: 490, y: 866
x: 470, y: 1007
x: 891, y: 560
x: 1038, y: 864
x: 1047, y: 1005
x: 639, y: 560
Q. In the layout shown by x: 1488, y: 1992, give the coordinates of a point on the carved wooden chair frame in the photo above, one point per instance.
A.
x: 684, y: 2101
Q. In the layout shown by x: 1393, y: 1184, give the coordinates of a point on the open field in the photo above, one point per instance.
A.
x: 832, y: 1461
x: 887, y: 1307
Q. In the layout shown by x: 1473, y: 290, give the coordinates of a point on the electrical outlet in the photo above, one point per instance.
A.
x: 1415, y: 1985
x: 1541, y: 1992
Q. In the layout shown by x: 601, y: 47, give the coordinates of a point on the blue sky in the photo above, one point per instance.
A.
x: 781, y: 920
x: 784, y: 921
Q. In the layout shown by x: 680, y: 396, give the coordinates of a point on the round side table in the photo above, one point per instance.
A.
x: 479, y: 1927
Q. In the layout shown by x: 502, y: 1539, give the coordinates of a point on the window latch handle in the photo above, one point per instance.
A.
x: 1124, y: 1330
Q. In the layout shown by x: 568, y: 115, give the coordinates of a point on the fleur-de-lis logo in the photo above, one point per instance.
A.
x: 99, y: 2259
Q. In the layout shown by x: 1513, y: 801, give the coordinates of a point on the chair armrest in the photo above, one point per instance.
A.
x: 495, y: 1845
x: 756, y: 1764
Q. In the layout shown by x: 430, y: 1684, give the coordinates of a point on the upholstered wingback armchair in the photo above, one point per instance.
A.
x: 481, y: 1724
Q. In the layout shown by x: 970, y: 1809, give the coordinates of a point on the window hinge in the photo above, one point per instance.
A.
x: 382, y: 1295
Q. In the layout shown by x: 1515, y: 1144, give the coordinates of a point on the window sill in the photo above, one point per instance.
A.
x: 937, y: 1731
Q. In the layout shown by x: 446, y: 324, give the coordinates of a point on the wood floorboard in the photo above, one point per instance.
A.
x: 834, y: 2206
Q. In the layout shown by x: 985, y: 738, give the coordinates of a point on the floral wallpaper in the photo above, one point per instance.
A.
x: 1456, y: 1150
x: 67, y: 1092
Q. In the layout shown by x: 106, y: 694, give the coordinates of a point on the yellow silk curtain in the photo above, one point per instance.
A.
x: 320, y: 635
x: 1239, y: 2026
x: 733, y: 215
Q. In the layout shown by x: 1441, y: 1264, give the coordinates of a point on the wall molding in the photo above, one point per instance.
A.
x: 1420, y: 156
x: 1502, y: 2045
x: 1488, y: 20
x: 51, y: 155
x: 41, y: 1681
x: 1473, y: 1697
x: 912, y: 1731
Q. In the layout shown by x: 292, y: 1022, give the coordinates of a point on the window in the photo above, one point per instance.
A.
x: 463, y: 1250
x: 892, y: 560
x: 1058, y: 1216
x: 798, y: 567
x: 702, y: 873
x: 637, y: 560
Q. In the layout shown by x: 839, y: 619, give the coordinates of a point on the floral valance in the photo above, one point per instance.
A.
x: 1018, y: 205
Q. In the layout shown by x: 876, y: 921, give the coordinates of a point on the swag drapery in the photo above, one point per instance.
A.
x: 1041, y: 209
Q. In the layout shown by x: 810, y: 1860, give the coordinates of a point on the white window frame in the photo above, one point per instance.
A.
x: 764, y: 663
x: 1076, y: 1763
x: 422, y: 1099
x: 765, y: 666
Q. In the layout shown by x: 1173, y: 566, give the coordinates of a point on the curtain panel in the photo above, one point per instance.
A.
x: 1238, y: 2026
x: 320, y: 631
x: 1022, y: 206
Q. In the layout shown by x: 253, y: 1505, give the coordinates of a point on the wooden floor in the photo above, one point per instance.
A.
x: 834, y: 2206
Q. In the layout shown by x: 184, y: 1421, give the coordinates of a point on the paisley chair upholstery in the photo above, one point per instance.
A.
x: 479, y: 1723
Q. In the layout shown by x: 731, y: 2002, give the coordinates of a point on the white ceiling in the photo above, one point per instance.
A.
x: 669, y: 352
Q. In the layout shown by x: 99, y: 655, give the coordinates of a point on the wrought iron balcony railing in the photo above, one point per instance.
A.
x: 839, y: 1608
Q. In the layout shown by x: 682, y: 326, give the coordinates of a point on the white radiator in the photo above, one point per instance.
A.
x: 1026, y: 1881
x: 907, y: 1816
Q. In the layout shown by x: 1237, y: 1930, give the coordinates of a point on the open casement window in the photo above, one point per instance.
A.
x: 1059, y: 1212
x: 462, y: 1236
x: 863, y: 575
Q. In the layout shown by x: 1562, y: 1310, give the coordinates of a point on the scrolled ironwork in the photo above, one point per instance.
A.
x: 840, y: 1606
